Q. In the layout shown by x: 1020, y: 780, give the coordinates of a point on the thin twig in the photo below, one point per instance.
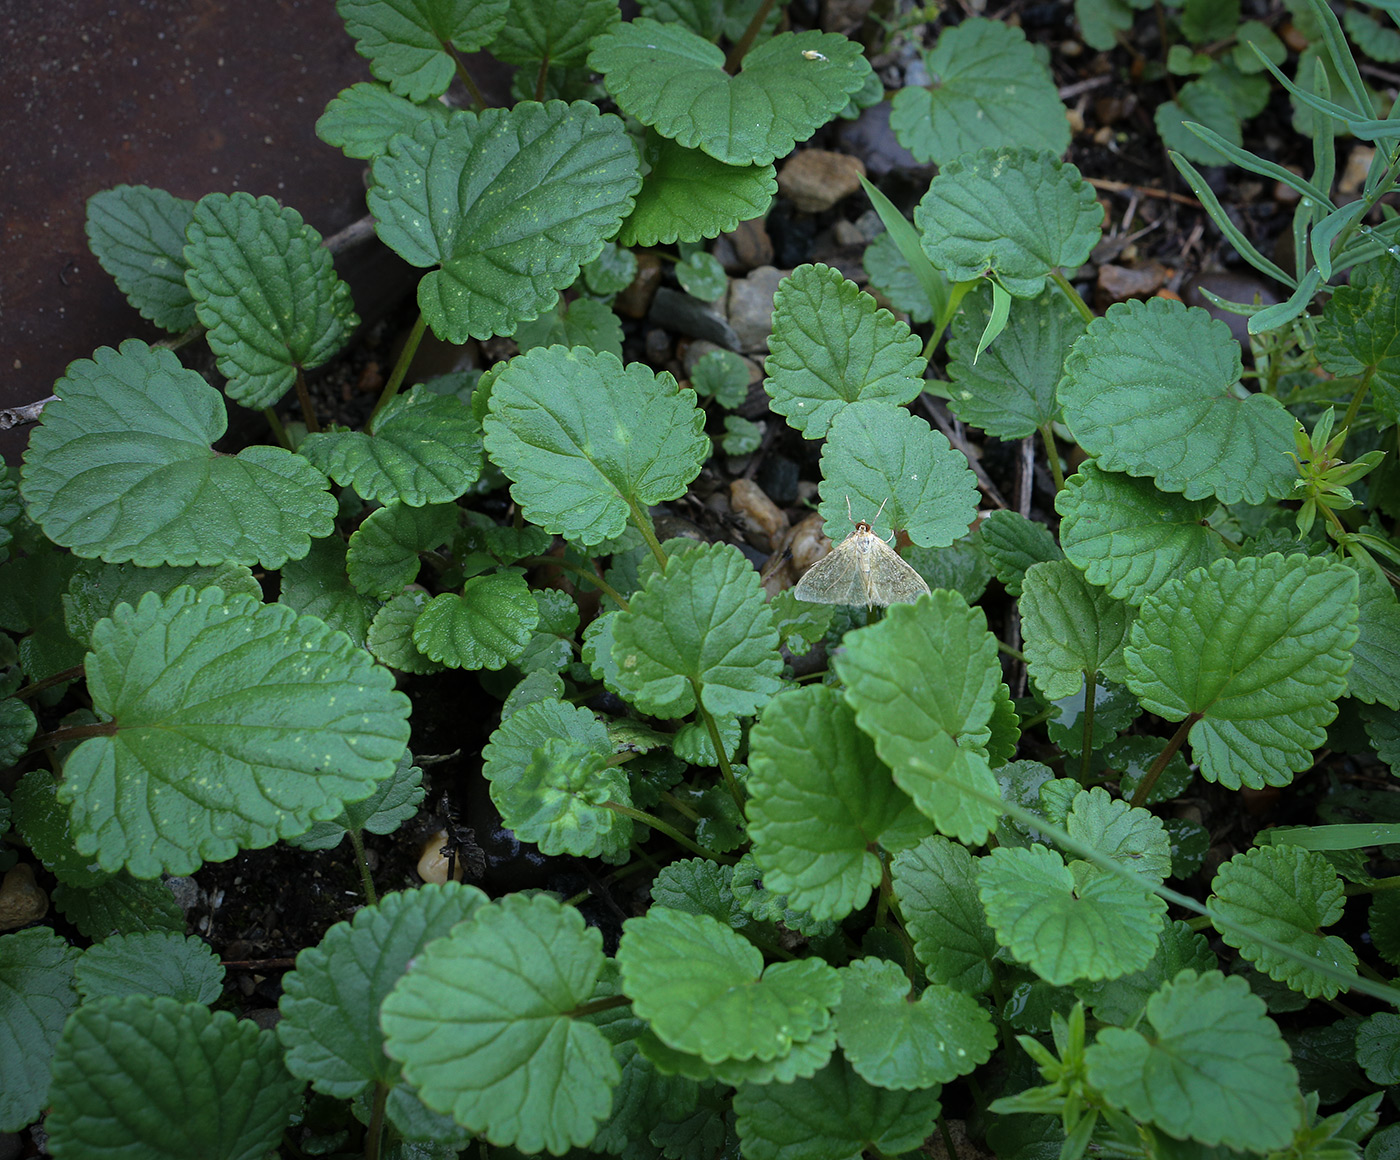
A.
x: 989, y: 489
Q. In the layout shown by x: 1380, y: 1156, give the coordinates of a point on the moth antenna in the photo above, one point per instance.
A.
x: 849, y: 515
x: 883, y: 502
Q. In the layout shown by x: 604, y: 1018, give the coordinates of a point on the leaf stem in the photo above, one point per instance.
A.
x: 643, y: 524
x: 1355, y: 405
x: 460, y: 66
x: 72, y: 733
x: 1091, y: 689
x: 745, y: 42
x: 1052, y: 455
x: 593, y: 1006
x: 357, y: 843
x: 951, y: 1151
x: 374, y: 1131
x: 1014, y: 653
x: 1072, y: 295
x: 670, y: 831
x: 577, y: 570
x: 279, y: 432
x: 1149, y: 779
x: 726, y: 771
x: 308, y: 410
x: 35, y: 687
x: 391, y: 388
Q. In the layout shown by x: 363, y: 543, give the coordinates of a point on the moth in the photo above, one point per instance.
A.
x: 861, y: 569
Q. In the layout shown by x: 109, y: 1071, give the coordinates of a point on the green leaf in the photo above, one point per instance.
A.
x: 138, y: 235
x: 391, y: 804
x: 96, y: 589
x: 1375, y: 671
x: 723, y: 375
x: 1378, y: 1047
x: 556, y: 32
x: 1013, y: 544
x: 407, y: 42
x: 282, y: 719
x: 741, y: 437
x: 150, y: 963
x: 1014, y: 215
x: 1358, y: 335
x: 1009, y: 391
x: 700, y: 630
x: 153, y: 1077
x: 1287, y: 894
x: 1066, y: 925
x: 704, y: 988
x: 589, y: 442
x: 484, y: 1025
x: 509, y: 203
x: 1072, y: 629
x: 18, y: 725
x: 120, y: 467
x: 120, y: 904
x: 687, y: 195
x: 46, y: 826
x: 834, y: 1115
x: 382, y: 555
x: 1150, y: 389
x: 832, y: 345
x: 698, y: 886
x: 1214, y: 1067
x: 1121, y: 1001
x: 815, y: 828
x: 1204, y: 102
x: 1127, y: 834
x: 1380, y: 43
x: 535, y: 733
x: 426, y: 448
x: 936, y: 886
x: 362, y: 118
x: 1129, y: 537
x: 390, y: 635
x: 1099, y: 20
x: 921, y: 710
x: 563, y: 802
x: 896, y: 1041
x: 701, y: 276
x: 330, y: 1003
x: 584, y: 322
x: 1257, y: 649
x: 486, y: 627
x: 317, y: 585
x: 30, y: 601
x: 36, y: 996
x: 266, y: 289
x: 674, y: 82
x: 876, y: 454
x: 990, y: 90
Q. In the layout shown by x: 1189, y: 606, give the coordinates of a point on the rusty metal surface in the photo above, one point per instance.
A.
x: 191, y: 97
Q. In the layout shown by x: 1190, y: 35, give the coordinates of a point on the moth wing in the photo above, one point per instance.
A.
x: 834, y: 579
x: 892, y: 580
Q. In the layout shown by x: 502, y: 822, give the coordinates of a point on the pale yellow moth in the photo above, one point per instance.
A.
x: 861, y: 569
x: 812, y: 54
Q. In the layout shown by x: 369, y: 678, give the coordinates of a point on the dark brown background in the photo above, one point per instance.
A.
x: 191, y: 97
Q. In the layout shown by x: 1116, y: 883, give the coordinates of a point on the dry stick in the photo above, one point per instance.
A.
x: 989, y: 489
x: 1150, y: 190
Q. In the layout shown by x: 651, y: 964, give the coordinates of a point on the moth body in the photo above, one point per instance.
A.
x: 861, y: 569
